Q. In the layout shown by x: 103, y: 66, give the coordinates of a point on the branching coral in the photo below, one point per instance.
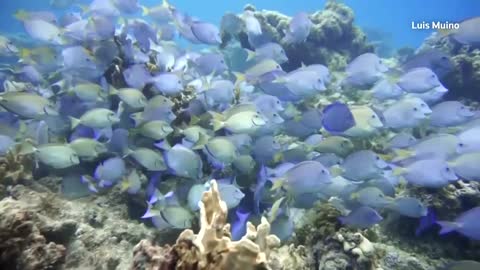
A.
x: 212, y: 248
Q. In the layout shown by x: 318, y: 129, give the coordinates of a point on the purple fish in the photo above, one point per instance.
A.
x: 362, y: 217
x: 312, y: 119
x: 136, y: 76
x: 206, y: 33
x: 434, y: 59
x: 466, y: 224
x: 239, y: 227
x: 299, y: 29
x: 127, y: 6
x: 211, y: 62
x: 337, y: 118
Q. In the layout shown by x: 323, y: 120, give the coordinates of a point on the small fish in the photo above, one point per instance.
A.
x: 136, y: 76
x: 87, y: 149
x: 184, y: 162
x: 434, y: 59
x: 337, y: 118
x: 438, y: 146
x: 466, y: 166
x: 96, y: 118
x: 384, y: 90
x: 469, y: 140
x: 26, y: 105
x: 210, y: 63
x: 367, y: 122
x: 206, y: 33
x: 231, y: 23
x: 466, y: 224
x: 401, y: 140
x: 467, y: 32
x: 148, y: 158
x: 299, y: 29
x: 177, y: 216
x: 241, y: 122
x: 220, y: 151
x: 362, y: 217
x: 335, y: 144
x: 363, y: 165
x: 245, y: 164
x: 364, y: 70
x: 304, y: 177
x: 169, y: 84
x: 450, y: 113
x: 231, y: 193
x: 156, y: 129
x: 195, y: 195
x: 131, y: 96
x: 110, y: 171
x: 406, y: 113
x: 432, y: 173
x: 371, y: 197
x: 418, y: 80
x: 252, y: 25
x: 58, y: 156
x: 407, y: 206
x: 265, y: 148
x: 133, y: 182
x: 269, y: 50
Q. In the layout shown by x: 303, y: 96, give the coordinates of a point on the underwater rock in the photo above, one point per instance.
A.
x: 212, y: 248
x: 333, y: 41
x: 23, y: 245
x: 92, y: 234
x: 464, y: 80
x: 15, y: 169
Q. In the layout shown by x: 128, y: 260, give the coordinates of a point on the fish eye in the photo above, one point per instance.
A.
x: 374, y: 116
x: 277, y: 67
x: 461, y: 145
x: 462, y: 107
x: 443, y: 58
x: 179, y: 82
x: 377, y: 158
x: 222, y: 62
x: 415, y: 109
x: 319, y: 80
x: 323, y: 171
x: 275, y: 115
x: 432, y: 76
x: 380, y: 61
x: 447, y: 169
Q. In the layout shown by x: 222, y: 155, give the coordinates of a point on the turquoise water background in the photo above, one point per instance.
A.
x: 391, y: 18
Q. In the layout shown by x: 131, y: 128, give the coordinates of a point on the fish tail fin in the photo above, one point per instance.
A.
x: 239, y: 77
x: 194, y: 120
x: 126, y: 152
x: 402, y: 154
x: 26, y: 147
x: 426, y: 222
x: 164, y: 145
x: 250, y: 54
x: 112, y: 91
x: 74, y: 122
x: 217, y: 121
x: 145, y: 11
x: 354, y: 196
x: 448, y: 226
x: 200, y: 143
x: 21, y: 15
x: 398, y: 171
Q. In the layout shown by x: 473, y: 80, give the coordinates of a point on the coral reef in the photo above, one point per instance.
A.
x: 212, y: 248
x: 14, y: 169
x: 78, y: 234
x: 333, y: 41
x: 22, y: 243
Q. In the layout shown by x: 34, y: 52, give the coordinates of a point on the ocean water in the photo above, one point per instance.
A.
x: 339, y: 123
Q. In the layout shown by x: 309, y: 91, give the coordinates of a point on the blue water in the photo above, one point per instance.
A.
x: 391, y: 17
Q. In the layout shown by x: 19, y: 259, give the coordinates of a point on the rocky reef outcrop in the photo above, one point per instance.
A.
x: 333, y: 41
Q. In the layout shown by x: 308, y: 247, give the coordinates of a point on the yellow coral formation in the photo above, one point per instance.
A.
x: 214, y: 240
x: 212, y: 248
